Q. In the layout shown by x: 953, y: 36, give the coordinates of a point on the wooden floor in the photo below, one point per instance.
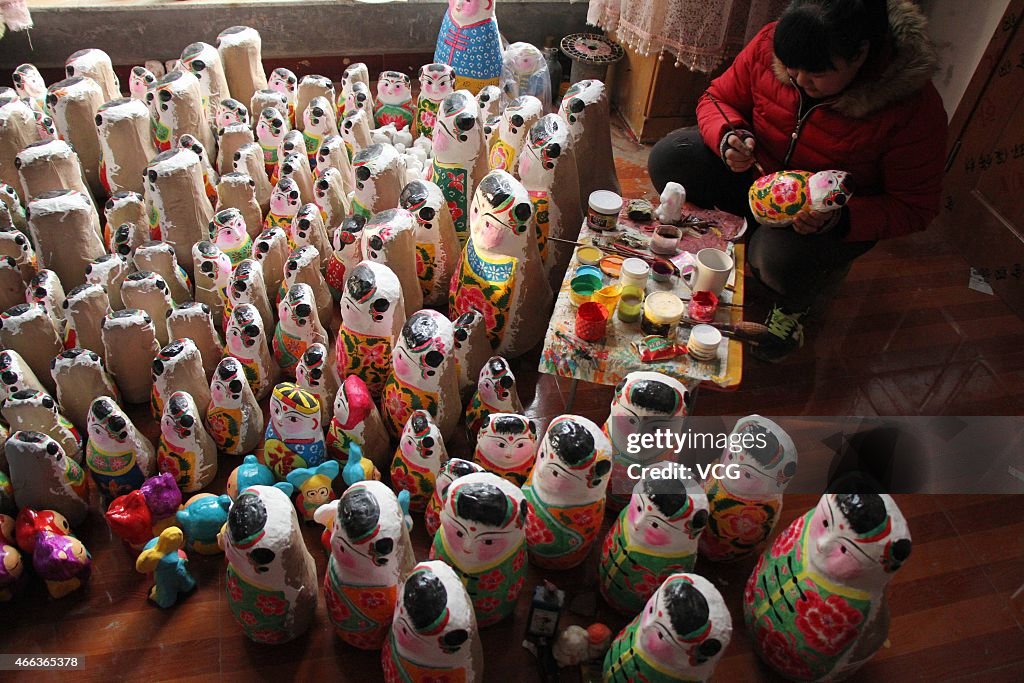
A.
x: 905, y: 336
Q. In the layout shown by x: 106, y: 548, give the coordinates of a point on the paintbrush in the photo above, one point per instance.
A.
x: 732, y: 129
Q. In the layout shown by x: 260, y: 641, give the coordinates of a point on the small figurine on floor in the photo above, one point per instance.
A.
x: 166, y: 561
x: 137, y: 517
x: 670, y: 210
x: 201, y: 518
x: 507, y: 446
x: 437, y: 81
x: 119, y: 457
x: 394, y: 100
x: 449, y: 472
x: 294, y: 436
x: 421, y: 453
x: 62, y: 562
x: 298, y: 327
x: 250, y: 473
x: 495, y: 393
x: 313, y: 487
x: 186, y: 450
x: 234, y: 418
x: 44, y: 478
x: 356, y: 420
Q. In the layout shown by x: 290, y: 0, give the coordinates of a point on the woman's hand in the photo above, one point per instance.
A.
x: 739, y: 152
x: 812, y: 222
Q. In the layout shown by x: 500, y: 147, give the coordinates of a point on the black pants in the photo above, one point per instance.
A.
x: 797, y: 268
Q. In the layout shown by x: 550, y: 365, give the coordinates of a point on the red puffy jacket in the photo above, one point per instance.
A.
x: 887, y: 129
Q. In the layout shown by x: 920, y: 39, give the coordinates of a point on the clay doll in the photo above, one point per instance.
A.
x: 354, y: 73
x: 459, y: 156
x: 109, y: 271
x: 449, y: 472
x: 370, y: 556
x: 231, y: 235
x: 66, y: 231
x: 346, y: 243
x: 140, y: 80
x: 186, y: 450
x: 482, y: 539
x: 129, y: 340
x: 179, y: 367
x: 81, y: 377
x: 437, y: 245
x: 271, y: 250
x: 271, y: 577
x: 334, y: 154
x: 238, y: 191
x: 138, y: 516
x: 147, y: 291
x: 204, y: 62
x: 670, y: 206
x: 73, y: 103
x: 12, y: 570
x: 94, y: 64
x: 272, y: 99
x: 248, y: 159
x: 284, y: 204
x: 239, y: 48
x: 201, y: 518
x: 16, y: 246
x: 178, y: 101
x: 246, y: 286
x: 177, y: 196
x: 315, y: 373
x: 27, y: 329
x: 303, y: 266
x: 389, y: 238
x: 313, y: 487
x: 356, y: 420
x: 270, y: 130
x: 46, y: 290
x: 501, y: 274
x: 126, y: 144
x: 159, y: 257
x: 16, y: 375
x: 423, y: 374
x: 308, y: 228
x: 372, y: 314
x: 437, y: 81
x: 311, y: 87
x: 285, y: 82
x: 234, y: 418
x: 246, y: 339
x: 525, y: 72
x: 231, y: 138
x: 355, y: 131
x: 777, y: 197
x: 231, y: 112
x: 566, y: 492
x: 62, y: 562
x: 249, y: 473
x: 294, y: 436
x: 434, y: 631
x: 506, y: 444
x: 36, y: 411
x: 210, y: 175
x: 166, y: 561
x: 495, y: 393
x: 519, y: 117
x: 472, y: 350
x: 298, y: 327
x: 119, y: 457
x: 834, y: 562
x: 331, y: 200
x: 585, y: 107
x: 744, y: 511
x: 29, y: 83
x: 679, y: 636
x: 195, y: 321
x: 489, y: 101
x: 470, y: 43
x: 360, y: 99
x: 43, y: 477
x: 420, y: 454
x: 394, y: 100
x: 318, y: 123
x: 378, y: 179
x: 358, y: 468
x: 295, y: 165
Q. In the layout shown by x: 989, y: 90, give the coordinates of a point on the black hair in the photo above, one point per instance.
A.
x: 811, y: 34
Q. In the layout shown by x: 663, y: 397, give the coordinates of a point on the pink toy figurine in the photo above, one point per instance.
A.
x: 470, y: 43
x: 231, y: 235
x: 285, y: 201
x: 394, y: 100
x: 775, y: 199
x: 421, y: 453
x: 437, y: 81
x: 495, y: 393
x: 119, y: 457
x: 449, y: 472
x: 507, y: 446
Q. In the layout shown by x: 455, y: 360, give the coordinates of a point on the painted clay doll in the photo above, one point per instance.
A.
x: 272, y: 99
x: 165, y: 560
x: 566, y: 492
x: 481, y: 537
x: 434, y: 631
x: 129, y: 340
x: 437, y: 81
x: 178, y: 101
x: 437, y: 245
x: 470, y: 43
x: 234, y: 418
x: 186, y: 450
x: 775, y: 199
x: 246, y: 339
x: 394, y: 101
x: 109, y: 271
x: 313, y: 487
x: 179, y: 367
x: 311, y: 87
x: 372, y: 316
x: 66, y: 231
x: 270, y: 130
x: 270, y: 249
x: 28, y: 82
x: 459, y: 156
x: 247, y: 286
x: 318, y: 123
x: 248, y: 159
x: 294, y: 436
x: 816, y: 605
x: 27, y: 329
x: 81, y: 377
x: 210, y: 175
x: 126, y: 143
x: 744, y: 511
x: 147, y: 291
x: 28, y: 524
x: 389, y: 237
x: 18, y: 130
x: 519, y: 117
x: 238, y: 191
x: 354, y: 73
x: 140, y: 80
x: 249, y: 473
x: 525, y: 72
x: 44, y: 478
x: 15, y: 244
x: 489, y: 101
x: 231, y: 112
x: 346, y: 241
x: 46, y: 290
x: 423, y: 374
x: 284, y: 204
x: 358, y: 468
x: 334, y: 154
x: 73, y: 103
x: 679, y: 636
x: 370, y: 556
x: 16, y: 375
x: 643, y: 402
x: 203, y: 61
x: 295, y: 165
x: 501, y: 274
x: 355, y: 131
x: 315, y: 373
x: 298, y: 327
x: 449, y: 472
x: 12, y: 211
x: 421, y: 453
x: 285, y: 82
x: 496, y: 393
x: 271, y: 577
x: 159, y: 257
x: 231, y: 235
x: 356, y: 420
x: 194, y: 321
x: 94, y: 64
x: 119, y: 457
x: 36, y: 411
x: 303, y: 266
x: 240, y: 52
x: 506, y: 444
x: 585, y: 107
x: 378, y: 179
x: 308, y: 228
x: 179, y: 208
x: 138, y: 516
x: 201, y: 518
x: 62, y: 562
x: 472, y: 350
x: 360, y: 99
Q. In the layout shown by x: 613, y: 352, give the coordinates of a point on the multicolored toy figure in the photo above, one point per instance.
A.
x: 313, y: 487
x: 138, y: 516
x: 680, y: 635
x: 246, y: 340
x: 653, y: 538
x: 482, y: 539
x: 61, y: 561
x: 201, y: 518
x: 566, y: 492
x: 318, y: 122
x: 294, y: 436
x: 459, y: 156
x: 516, y: 121
x: 525, y: 72
x: 271, y: 577
x: 420, y: 454
x: 356, y: 420
x: 285, y: 82
x: 370, y: 556
x: 270, y: 130
x: 434, y: 633
x: 470, y: 43
x: 284, y: 204
x: 315, y: 373
x: 249, y: 473
x: 744, y: 511
x: 186, y: 450
x: 231, y: 235
x: 495, y: 393
x: 437, y: 245
x: 357, y: 468
x: 167, y: 562
x: 449, y: 472
x: 437, y: 81
x: 776, y: 198
x: 119, y: 457
x: 234, y: 418
x: 298, y: 327
x: 379, y: 172
x: 815, y: 605
x: 394, y: 100
x: 44, y: 478
x: 506, y: 445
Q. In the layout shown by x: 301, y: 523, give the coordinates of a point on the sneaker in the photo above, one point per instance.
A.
x: 785, y: 335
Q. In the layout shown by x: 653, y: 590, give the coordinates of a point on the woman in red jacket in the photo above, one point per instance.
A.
x: 834, y: 84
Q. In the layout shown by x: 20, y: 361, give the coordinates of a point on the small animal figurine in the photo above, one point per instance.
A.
x: 815, y: 605
x: 394, y: 101
x: 459, y: 156
x: 179, y: 367
x: 489, y: 101
x: 247, y: 286
x: 372, y: 316
x: 501, y: 274
x: 249, y: 473
x: 437, y: 245
x: 129, y: 340
x: 294, y: 436
x: 62, y: 562
x: 186, y: 450
x: 358, y: 468
x: 421, y: 453
x: 356, y: 420
x: 525, y: 72
x: 566, y: 490
x: 303, y: 266
x: 285, y: 201
x: 316, y: 374
x: 390, y: 238
x: 298, y: 327
x: 519, y: 117
x: 201, y: 518
x: 670, y: 208
x: 483, y: 540
x: 44, y: 478
x: 120, y: 458
x: 437, y: 81
x: 496, y: 393
x: 775, y: 199
x: 679, y: 636
x: 138, y: 516
x: 246, y: 340
x: 16, y: 375
x: 506, y: 445
x: 166, y: 561
x: 231, y: 235
x: 270, y: 249
x: 449, y: 472
x: 270, y: 130
x: 194, y: 321
x: 371, y: 555
x: 434, y: 631
x: 654, y: 537
x: 109, y: 271
x: 472, y: 350
x: 470, y: 43
x: 36, y: 411
x: 423, y: 374
x: 271, y: 577
x: 346, y: 242
x: 378, y: 170
x: 585, y: 106
x: 744, y: 511
x: 81, y: 376
x: 313, y: 487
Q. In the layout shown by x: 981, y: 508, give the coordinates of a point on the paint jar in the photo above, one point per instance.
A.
x: 666, y: 239
x: 661, y: 271
x: 603, y: 212
x: 662, y: 312
x: 591, y: 321
x: 589, y: 270
x: 608, y: 297
x: 631, y: 304
x: 588, y: 256
x: 582, y: 288
x: 634, y: 272
x: 702, y: 306
x: 703, y: 342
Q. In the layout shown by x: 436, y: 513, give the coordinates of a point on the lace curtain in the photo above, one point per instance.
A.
x: 701, y: 34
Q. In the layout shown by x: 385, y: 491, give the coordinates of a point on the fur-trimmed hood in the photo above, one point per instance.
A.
x: 912, y: 63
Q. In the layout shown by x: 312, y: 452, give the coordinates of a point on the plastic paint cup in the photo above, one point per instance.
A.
x: 591, y: 321
x: 608, y: 297
x: 631, y: 304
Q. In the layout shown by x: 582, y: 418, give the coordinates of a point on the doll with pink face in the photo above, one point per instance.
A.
x: 285, y: 81
x: 298, y: 327
x: 459, y: 156
x: 29, y: 83
x: 231, y: 235
x: 470, y: 43
x: 356, y: 420
x: 294, y: 436
x: 394, y: 100
x: 231, y: 112
x: 186, y: 449
x: 437, y: 245
x: 234, y: 418
x: 507, y: 446
x: 285, y: 201
x: 319, y: 122
x: 437, y: 81
x: 347, y: 251
x: 420, y: 454
x: 831, y: 568
x: 519, y: 117
x: 270, y: 130
x: 495, y: 393
x: 482, y: 538
x: 654, y: 537
x: 679, y: 636
x: 449, y: 472
x: 140, y: 80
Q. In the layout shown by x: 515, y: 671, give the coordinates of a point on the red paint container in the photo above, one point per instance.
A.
x: 591, y: 321
x: 703, y: 306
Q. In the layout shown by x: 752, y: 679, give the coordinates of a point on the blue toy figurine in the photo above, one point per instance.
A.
x: 250, y: 472
x: 358, y: 468
x: 469, y: 42
x: 166, y: 561
x: 201, y: 519
x: 314, y: 486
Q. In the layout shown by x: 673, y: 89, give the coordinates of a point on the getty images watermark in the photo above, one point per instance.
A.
x: 667, y: 440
